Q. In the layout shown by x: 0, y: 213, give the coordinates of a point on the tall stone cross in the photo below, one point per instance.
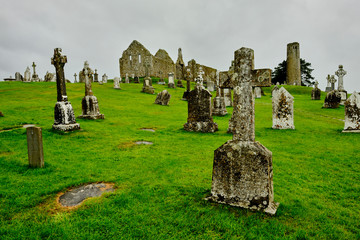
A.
x: 88, y: 90
x: 340, y: 73
x: 242, y: 122
x: 332, y: 81
x: 147, y: 66
x: 75, y: 77
x: 200, y: 79
x: 34, y: 65
x: 59, y: 61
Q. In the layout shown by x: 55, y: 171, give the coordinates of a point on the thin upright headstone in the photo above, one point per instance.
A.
x: 35, y: 147
x: 89, y: 103
x: 352, y: 113
x: 96, y: 76
x: 64, y: 113
x: 117, y: 83
x: 257, y: 92
x: 104, y: 78
x: 218, y: 107
x: 188, y: 79
x: 147, y: 85
x: 127, y: 78
x: 328, y: 86
x: 341, y: 73
x: 242, y: 169
x: 283, y: 110
x: 75, y: 78
x: 171, y: 83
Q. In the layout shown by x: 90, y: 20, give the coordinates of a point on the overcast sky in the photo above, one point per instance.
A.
x: 208, y: 31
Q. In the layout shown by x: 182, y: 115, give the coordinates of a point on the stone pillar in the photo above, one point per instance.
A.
x: 96, y: 76
x: 293, y: 72
x: 75, y: 78
x: 242, y: 169
x: 64, y: 113
x: 35, y: 147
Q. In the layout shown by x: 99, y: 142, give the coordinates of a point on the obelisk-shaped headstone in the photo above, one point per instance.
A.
x: 64, y: 113
x: 242, y: 169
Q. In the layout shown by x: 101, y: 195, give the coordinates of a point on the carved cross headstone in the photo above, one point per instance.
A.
x: 75, y: 78
x: 332, y: 81
x: 34, y: 65
x: 242, y: 169
x: 340, y: 73
x: 316, y: 92
x: 59, y: 62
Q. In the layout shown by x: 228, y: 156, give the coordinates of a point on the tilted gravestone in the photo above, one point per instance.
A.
x: 316, y: 92
x: 64, y: 113
x: 90, y: 105
x: 242, y: 169
x: 35, y: 147
x: 332, y: 99
x: 352, y: 113
x: 283, y: 110
x: 199, y: 110
x: 163, y: 98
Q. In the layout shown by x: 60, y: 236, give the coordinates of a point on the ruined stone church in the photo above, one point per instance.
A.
x: 137, y: 60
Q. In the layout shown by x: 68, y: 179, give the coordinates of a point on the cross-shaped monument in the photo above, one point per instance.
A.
x: 75, y: 78
x: 34, y: 65
x: 340, y: 73
x: 242, y: 169
x: 64, y: 113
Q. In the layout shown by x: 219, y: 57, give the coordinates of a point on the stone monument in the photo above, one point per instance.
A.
x: 332, y: 99
x: 105, y: 78
x: 147, y: 85
x: 283, y: 110
x: 27, y: 75
x: 188, y: 79
x: 332, y: 81
x: 171, y: 83
x: 341, y: 73
x: 49, y: 77
x: 293, y: 70
x: 96, y: 76
x: 35, y: 147
x: 161, y: 79
x: 75, y: 78
x: 210, y: 85
x: 275, y: 89
x: 328, y: 87
x: 90, y: 105
x: 199, y: 109
x: 89, y: 71
x: 64, y: 113
x: 117, y: 83
x: 34, y: 77
x: 352, y: 113
x: 18, y: 77
x: 218, y: 107
x: 127, y: 78
x: 316, y: 92
x: 163, y: 98
x: 257, y: 92
x: 242, y: 170
x: 179, y: 84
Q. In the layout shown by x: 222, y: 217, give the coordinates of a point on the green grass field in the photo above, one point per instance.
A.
x: 160, y: 188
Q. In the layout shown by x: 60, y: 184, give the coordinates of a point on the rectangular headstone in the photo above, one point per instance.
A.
x: 35, y: 147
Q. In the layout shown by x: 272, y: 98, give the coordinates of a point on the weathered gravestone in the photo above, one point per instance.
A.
x: 163, y: 98
x: 90, y: 105
x: 105, y: 78
x: 199, y: 110
x: 332, y: 81
x: 316, y: 92
x: 27, y: 73
x: 332, y: 99
x: 64, y: 113
x: 34, y: 77
x: 219, y: 108
x: 171, y: 83
x: 18, y: 77
x: 328, y: 86
x: 242, y: 169
x: 341, y: 73
x: 228, y: 97
x: 127, y: 78
x: 96, y: 76
x: 257, y: 92
x: 89, y: 71
x: 352, y: 113
x: 188, y: 79
x: 117, y: 83
x: 275, y: 89
x: 49, y: 77
x: 147, y: 85
x: 35, y: 147
x: 210, y: 86
x: 283, y: 110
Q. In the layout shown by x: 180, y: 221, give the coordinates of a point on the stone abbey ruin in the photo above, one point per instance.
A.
x: 136, y: 59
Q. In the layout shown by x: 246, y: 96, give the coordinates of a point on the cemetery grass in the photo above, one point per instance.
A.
x: 160, y: 188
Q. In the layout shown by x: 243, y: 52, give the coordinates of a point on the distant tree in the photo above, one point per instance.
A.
x: 279, y: 73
